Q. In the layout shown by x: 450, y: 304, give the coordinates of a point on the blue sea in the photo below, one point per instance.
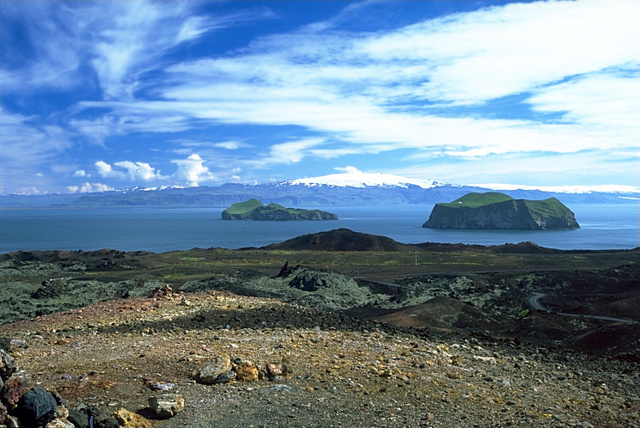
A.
x: 611, y: 226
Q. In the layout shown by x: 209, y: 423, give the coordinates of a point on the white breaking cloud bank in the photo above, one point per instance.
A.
x: 573, y: 63
x: 399, y: 90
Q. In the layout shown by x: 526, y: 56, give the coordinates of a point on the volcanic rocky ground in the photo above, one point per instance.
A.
x: 382, y: 335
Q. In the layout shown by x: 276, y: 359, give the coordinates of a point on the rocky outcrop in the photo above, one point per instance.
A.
x: 472, y: 212
x: 255, y: 210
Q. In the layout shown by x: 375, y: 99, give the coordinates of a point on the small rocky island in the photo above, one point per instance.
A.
x: 253, y: 209
x: 493, y: 210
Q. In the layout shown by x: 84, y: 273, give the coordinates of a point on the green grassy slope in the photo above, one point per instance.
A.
x: 475, y: 200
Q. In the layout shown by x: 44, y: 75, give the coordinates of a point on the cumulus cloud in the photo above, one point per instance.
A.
x: 89, y: 188
x: 127, y: 170
x: 192, y: 171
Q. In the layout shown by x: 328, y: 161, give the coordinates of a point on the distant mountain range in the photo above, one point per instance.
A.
x: 349, y: 188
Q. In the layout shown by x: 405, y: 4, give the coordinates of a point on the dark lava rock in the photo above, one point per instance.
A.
x: 100, y: 419
x: 37, y: 407
x: 79, y: 416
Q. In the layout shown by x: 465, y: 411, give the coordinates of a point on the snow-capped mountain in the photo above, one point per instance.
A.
x: 348, y: 187
x: 352, y: 177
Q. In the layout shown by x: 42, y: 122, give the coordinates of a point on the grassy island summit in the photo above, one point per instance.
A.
x: 253, y: 209
x: 494, y: 210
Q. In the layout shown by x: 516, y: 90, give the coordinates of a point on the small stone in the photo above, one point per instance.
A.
x: 59, y: 423
x: 454, y: 375
x: 211, y: 372
x: 36, y: 407
x: 129, y: 419
x: 62, y: 412
x: 161, y: 386
x: 225, y: 377
x: 8, y: 365
x: 280, y: 387
x: 166, y: 405
x: 11, y: 422
x: 247, y: 372
x: 274, y: 370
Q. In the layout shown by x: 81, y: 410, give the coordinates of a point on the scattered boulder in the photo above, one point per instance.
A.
x: 100, y: 419
x: 36, y: 407
x: 129, y: 419
x: 275, y: 370
x: 164, y: 291
x: 59, y: 423
x: 218, y: 367
x: 12, y: 391
x: 79, y: 416
x: 8, y: 364
x: 247, y: 372
x: 166, y: 406
x: 285, y: 271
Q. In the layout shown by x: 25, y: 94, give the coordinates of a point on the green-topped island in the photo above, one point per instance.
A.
x: 494, y: 210
x: 253, y: 209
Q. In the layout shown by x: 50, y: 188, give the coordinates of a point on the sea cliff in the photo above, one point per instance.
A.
x: 494, y: 210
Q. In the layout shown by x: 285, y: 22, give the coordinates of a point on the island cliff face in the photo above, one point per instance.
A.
x: 253, y: 209
x: 499, y: 211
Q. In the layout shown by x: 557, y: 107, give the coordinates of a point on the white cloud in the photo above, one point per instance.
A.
x: 127, y: 170
x: 89, y: 188
x: 192, y: 170
x: 229, y: 145
x: 30, y: 190
x: 363, y: 89
x: 497, y: 51
x: 27, y: 147
x: 600, y: 99
x: 286, y: 153
x: 81, y: 173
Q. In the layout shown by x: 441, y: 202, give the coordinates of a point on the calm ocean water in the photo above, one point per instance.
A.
x: 159, y: 230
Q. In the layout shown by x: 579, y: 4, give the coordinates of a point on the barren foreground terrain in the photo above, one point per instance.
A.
x: 432, y: 345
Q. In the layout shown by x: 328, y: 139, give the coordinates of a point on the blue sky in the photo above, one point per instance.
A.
x: 100, y: 95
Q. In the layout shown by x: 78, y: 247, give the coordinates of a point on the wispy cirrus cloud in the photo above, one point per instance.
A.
x: 28, y: 150
x: 505, y: 84
x: 118, y: 41
x: 381, y: 92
